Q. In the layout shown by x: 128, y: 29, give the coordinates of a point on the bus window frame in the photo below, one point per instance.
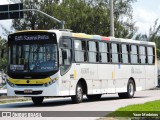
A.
x: 86, y: 51
x: 153, y: 47
x: 128, y: 54
x: 119, y: 52
x: 142, y: 54
x: 97, y: 51
x: 108, y: 52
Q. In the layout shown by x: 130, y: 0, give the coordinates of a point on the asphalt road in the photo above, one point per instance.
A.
x: 109, y: 102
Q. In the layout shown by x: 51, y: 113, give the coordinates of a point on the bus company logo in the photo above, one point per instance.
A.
x: 6, y: 114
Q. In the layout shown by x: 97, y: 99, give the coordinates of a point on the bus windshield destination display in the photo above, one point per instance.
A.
x: 31, y: 37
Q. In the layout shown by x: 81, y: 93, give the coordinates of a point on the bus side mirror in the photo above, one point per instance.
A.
x: 64, y: 54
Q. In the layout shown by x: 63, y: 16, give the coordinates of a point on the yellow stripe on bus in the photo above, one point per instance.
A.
x: 112, y: 75
x: 75, y: 74
x: 29, y: 81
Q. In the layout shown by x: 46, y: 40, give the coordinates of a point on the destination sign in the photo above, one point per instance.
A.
x: 31, y: 37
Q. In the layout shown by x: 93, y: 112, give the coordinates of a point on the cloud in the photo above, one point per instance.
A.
x: 144, y: 18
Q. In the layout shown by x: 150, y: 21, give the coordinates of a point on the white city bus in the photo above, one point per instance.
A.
x: 61, y: 63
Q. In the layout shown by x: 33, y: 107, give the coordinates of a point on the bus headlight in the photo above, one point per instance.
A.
x: 11, y: 84
x: 51, y: 82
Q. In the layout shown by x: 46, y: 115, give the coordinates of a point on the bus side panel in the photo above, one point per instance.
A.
x: 88, y: 72
x: 122, y: 75
x: 150, y: 76
x: 155, y: 76
x: 139, y: 75
x: 106, y: 75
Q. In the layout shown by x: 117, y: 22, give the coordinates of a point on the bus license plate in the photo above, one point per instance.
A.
x: 28, y: 91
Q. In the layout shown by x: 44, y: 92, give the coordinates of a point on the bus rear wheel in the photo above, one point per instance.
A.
x: 37, y: 100
x: 94, y: 97
x: 78, y: 98
x: 130, y: 91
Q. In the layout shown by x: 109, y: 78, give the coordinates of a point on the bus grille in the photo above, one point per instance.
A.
x: 33, y: 92
x: 29, y: 84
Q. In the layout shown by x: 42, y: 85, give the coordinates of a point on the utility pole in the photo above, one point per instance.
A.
x: 111, y: 19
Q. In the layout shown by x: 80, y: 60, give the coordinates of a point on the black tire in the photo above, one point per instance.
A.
x: 130, y: 90
x: 37, y: 100
x: 78, y: 98
x: 94, y: 97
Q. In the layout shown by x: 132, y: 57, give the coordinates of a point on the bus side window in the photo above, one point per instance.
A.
x: 150, y: 55
x: 142, y: 54
x: 114, y: 52
x: 66, y: 53
x: 80, y: 50
x: 103, y: 52
x: 134, y: 54
x: 124, y: 54
x: 92, y: 51
x: 66, y: 56
x: 66, y: 43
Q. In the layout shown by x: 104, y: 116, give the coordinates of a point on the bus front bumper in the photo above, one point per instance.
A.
x: 52, y: 90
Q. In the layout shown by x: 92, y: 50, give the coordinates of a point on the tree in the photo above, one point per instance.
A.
x: 3, y: 60
x: 87, y: 16
x: 153, y: 36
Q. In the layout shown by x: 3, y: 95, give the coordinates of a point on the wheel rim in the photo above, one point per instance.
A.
x: 79, y: 93
x: 131, y: 89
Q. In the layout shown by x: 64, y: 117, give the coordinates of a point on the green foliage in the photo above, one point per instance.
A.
x: 3, y: 61
x: 153, y: 36
x: 84, y: 16
x: 148, y: 107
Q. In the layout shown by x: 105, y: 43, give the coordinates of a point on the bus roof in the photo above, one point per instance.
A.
x: 67, y: 32
x: 99, y: 37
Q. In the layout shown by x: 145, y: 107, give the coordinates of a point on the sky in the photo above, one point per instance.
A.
x: 145, y: 12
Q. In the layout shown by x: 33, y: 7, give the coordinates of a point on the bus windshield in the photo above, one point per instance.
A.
x: 33, y: 58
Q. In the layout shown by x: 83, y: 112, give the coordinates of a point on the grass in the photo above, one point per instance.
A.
x: 129, y: 111
x: 148, y: 106
x: 13, y: 100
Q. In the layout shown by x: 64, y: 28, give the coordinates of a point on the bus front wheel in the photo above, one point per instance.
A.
x: 79, y: 94
x: 37, y: 100
x: 130, y: 90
